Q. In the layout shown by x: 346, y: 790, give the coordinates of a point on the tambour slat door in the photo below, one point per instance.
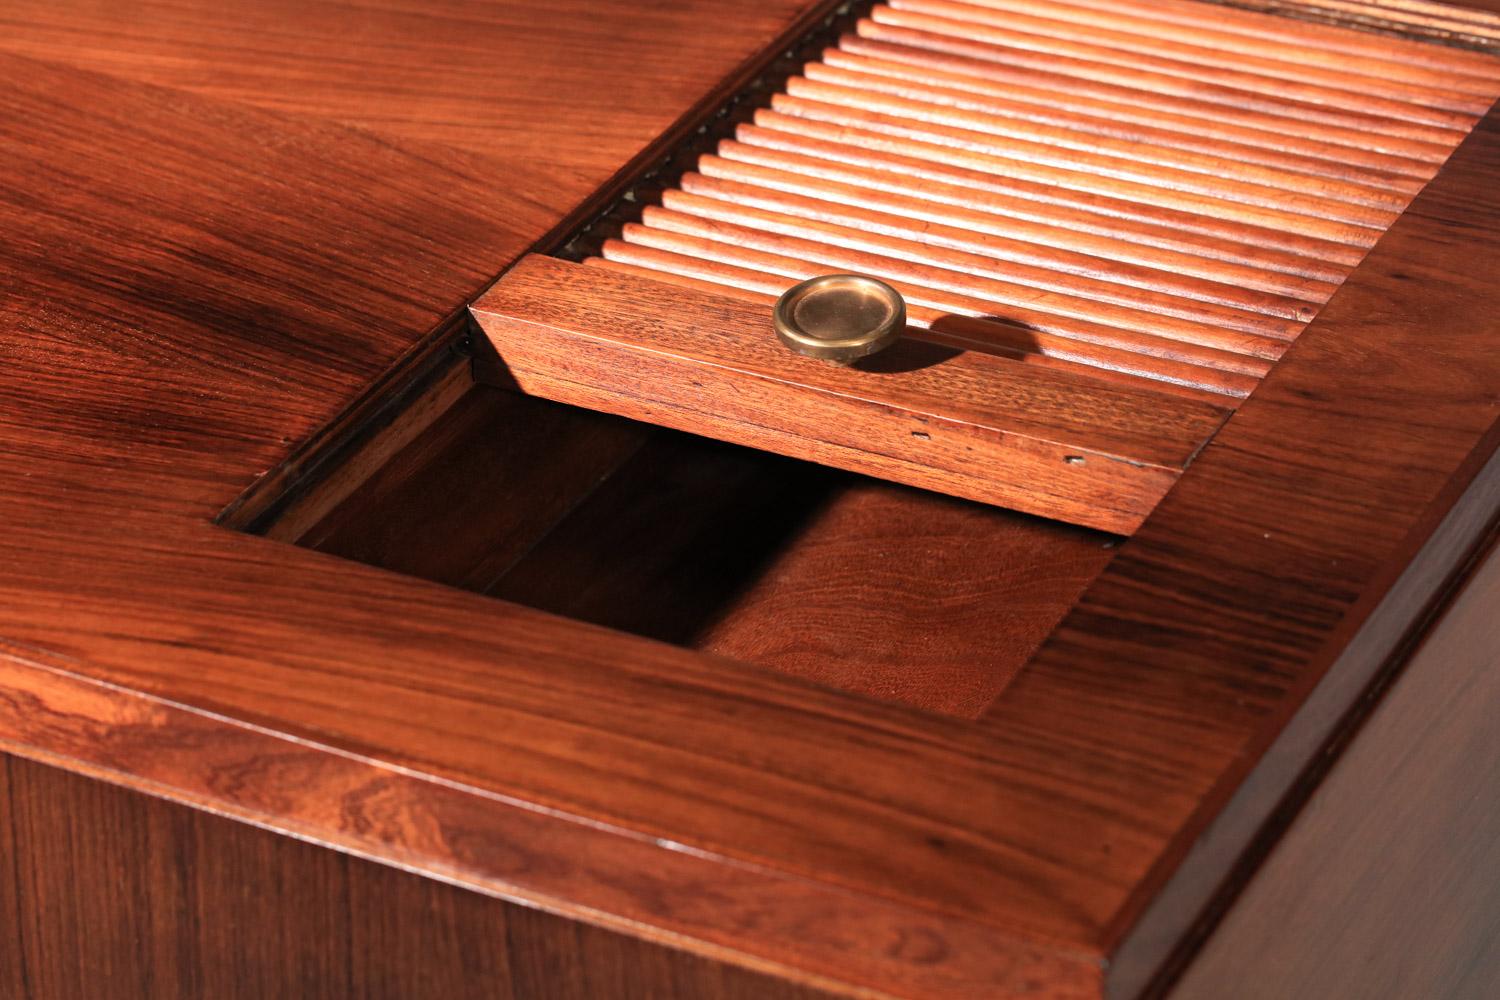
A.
x: 1108, y: 223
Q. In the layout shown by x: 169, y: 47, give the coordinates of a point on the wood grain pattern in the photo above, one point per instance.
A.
x: 898, y: 618
x: 13, y: 940
x: 967, y: 424
x: 1258, y: 591
x: 162, y: 901
x: 839, y: 579
x: 1468, y: 22
x: 1064, y: 84
x: 201, y: 284
x: 787, y: 565
x: 1137, y: 184
x: 1194, y: 29
x: 1399, y: 843
x: 1225, y: 19
x: 1344, y: 82
x: 758, y: 240
x: 1176, y: 369
x: 492, y: 80
x: 538, y: 857
x: 1102, y: 65
x: 1009, y: 199
x: 811, y: 572
x: 462, y: 502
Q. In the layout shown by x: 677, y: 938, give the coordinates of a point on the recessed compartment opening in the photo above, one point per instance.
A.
x: 848, y: 581
x: 1111, y: 239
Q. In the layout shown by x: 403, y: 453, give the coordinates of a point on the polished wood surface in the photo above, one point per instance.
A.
x: 203, y: 283
x: 670, y: 355
x: 1388, y: 883
x: 962, y: 423
x: 106, y: 886
x: 843, y: 580
x: 1474, y: 23
x: 565, y: 92
x: 1289, y: 610
x: 941, y: 170
x: 1035, y: 125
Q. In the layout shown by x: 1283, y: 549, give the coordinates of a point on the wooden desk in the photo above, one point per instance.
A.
x: 1247, y: 751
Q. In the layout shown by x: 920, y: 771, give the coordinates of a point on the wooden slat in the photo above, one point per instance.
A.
x: 872, y: 133
x: 1091, y: 236
x: 1055, y: 77
x: 1348, y: 204
x: 992, y: 196
x: 923, y: 286
x: 1037, y: 260
x: 1347, y: 81
x: 1235, y: 34
x: 1041, y: 124
x: 1087, y: 287
x: 1305, y: 99
x: 960, y: 422
x: 1203, y: 382
x: 1162, y: 198
x: 1301, y: 34
x: 1437, y: 20
x: 898, y: 29
x: 1122, y: 120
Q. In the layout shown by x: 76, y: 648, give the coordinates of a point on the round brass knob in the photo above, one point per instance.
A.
x: 840, y: 317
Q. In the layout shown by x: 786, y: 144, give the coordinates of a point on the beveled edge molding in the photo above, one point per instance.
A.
x: 478, y: 840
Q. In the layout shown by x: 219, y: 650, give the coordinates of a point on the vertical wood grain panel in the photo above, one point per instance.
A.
x: 1387, y: 884
x: 128, y: 897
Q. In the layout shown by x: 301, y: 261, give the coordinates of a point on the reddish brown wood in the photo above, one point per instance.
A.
x: 1276, y: 616
x: 202, y: 285
x: 757, y: 226
x: 803, y: 569
x: 968, y: 424
x: 1064, y: 85
x: 753, y: 184
x: 162, y: 901
x: 994, y: 196
x: 462, y: 502
x: 1192, y: 26
x: 1225, y: 20
x: 538, y: 857
x: 842, y: 580
x: 13, y: 930
x: 1005, y: 129
x: 1466, y: 22
x: 1399, y: 843
x: 492, y: 81
x: 943, y: 292
x: 1205, y: 57
x: 943, y: 36
x: 978, y: 257
x: 1351, y: 218
x: 969, y: 275
x: 1212, y: 376
x: 1313, y: 101
x: 874, y: 602
x: 1237, y: 149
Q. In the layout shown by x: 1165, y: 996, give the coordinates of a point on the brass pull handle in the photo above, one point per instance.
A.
x: 840, y: 317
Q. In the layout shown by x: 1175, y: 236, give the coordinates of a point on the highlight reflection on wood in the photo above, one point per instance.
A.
x: 962, y: 423
x: 1155, y: 199
x: 1186, y: 183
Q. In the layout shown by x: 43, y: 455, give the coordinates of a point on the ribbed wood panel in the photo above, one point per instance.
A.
x: 1144, y: 191
x: 1424, y: 17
